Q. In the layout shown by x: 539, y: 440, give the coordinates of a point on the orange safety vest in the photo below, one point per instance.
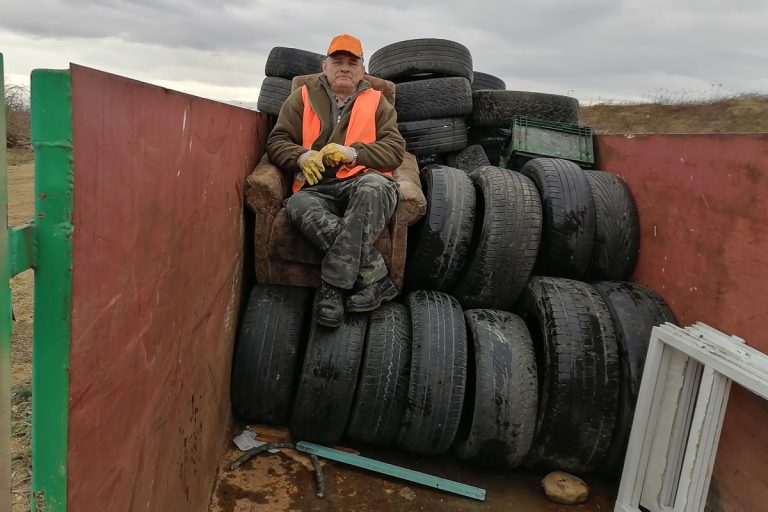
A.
x: 362, y: 128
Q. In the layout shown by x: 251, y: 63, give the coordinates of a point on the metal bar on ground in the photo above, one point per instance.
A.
x: 392, y: 470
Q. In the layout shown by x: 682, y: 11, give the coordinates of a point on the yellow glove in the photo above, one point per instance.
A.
x: 311, y: 164
x: 335, y: 154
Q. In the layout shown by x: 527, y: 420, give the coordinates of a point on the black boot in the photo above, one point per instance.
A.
x: 371, y: 296
x: 329, y: 307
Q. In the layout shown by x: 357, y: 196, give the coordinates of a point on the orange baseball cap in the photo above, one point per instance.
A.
x: 346, y: 43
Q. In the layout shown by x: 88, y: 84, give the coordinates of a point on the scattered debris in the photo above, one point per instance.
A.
x: 407, y: 493
x: 318, y: 475
x: 255, y: 451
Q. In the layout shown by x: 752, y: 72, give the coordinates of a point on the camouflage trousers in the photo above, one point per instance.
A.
x: 343, y: 218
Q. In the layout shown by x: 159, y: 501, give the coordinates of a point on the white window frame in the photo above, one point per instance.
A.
x: 679, y: 415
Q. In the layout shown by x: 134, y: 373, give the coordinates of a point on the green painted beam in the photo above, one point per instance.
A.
x: 52, y: 139
x: 392, y: 470
x: 22, y: 246
x: 5, y: 320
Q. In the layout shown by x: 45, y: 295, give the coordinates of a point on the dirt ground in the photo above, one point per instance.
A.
x: 20, y: 210
x: 284, y: 481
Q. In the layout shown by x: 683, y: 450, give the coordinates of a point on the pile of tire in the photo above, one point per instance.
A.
x: 282, y: 65
x: 551, y: 385
x: 486, y: 233
x: 433, y: 97
x: 445, y: 106
x: 500, y: 347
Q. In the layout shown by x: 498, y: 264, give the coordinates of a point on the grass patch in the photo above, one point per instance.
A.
x: 738, y: 114
x: 20, y: 156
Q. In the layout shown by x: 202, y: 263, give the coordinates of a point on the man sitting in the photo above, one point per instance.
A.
x: 338, y: 137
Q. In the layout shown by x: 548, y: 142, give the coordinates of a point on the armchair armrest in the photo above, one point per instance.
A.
x: 412, y: 204
x: 266, y: 187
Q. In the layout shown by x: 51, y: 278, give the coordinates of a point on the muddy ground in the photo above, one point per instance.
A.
x: 284, y: 482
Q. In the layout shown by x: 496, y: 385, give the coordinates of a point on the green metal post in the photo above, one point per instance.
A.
x: 52, y: 138
x: 5, y: 320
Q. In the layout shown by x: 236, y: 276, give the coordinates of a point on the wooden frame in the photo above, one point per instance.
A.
x: 679, y: 415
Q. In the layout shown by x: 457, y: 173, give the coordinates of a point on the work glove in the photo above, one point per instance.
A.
x: 311, y: 164
x: 335, y: 154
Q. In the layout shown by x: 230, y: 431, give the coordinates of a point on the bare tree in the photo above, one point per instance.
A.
x: 17, y: 115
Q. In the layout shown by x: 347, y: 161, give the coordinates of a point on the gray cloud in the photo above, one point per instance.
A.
x: 610, y: 49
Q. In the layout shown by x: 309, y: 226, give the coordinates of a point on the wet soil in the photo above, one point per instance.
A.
x: 280, y: 482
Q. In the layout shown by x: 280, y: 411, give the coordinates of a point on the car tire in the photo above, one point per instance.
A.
x: 274, y: 92
x: 440, y: 241
x: 499, y: 418
x: 468, y: 159
x: 434, y: 136
x: 569, y: 217
x: 579, y: 374
x: 328, y: 378
x: 438, y: 374
x: 267, y: 353
x: 635, y: 310
x: 433, y: 99
x: 496, y: 109
x: 617, y: 229
x: 421, y: 58
x: 508, y: 220
x: 383, y: 386
x: 287, y: 63
x: 485, y: 82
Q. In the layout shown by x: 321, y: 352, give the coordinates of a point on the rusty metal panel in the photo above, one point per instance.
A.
x: 157, y: 263
x: 704, y: 248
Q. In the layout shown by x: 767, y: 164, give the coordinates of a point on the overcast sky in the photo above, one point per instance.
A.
x: 591, y: 49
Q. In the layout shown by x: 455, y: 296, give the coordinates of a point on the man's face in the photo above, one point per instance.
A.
x: 344, y: 71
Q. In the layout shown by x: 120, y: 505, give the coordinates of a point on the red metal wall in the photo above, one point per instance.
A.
x: 704, y: 247
x: 157, y: 257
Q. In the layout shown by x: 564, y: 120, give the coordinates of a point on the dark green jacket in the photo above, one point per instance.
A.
x: 284, y: 143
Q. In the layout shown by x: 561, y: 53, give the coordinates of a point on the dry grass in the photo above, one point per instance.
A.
x: 19, y: 156
x: 742, y: 114
x: 21, y: 209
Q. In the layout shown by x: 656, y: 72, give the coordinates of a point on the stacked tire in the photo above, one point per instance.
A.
x: 479, y: 238
x: 552, y: 385
x: 500, y: 349
x: 282, y: 65
x: 485, y: 234
x: 433, y: 95
x: 590, y: 224
x: 475, y: 155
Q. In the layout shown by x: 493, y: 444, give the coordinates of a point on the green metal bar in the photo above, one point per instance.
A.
x: 52, y: 138
x: 5, y: 319
x: 392, y: 470
x: 22, y: 244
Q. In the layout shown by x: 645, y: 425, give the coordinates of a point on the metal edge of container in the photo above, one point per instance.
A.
x: 5, y: 324
x: 54, y: 173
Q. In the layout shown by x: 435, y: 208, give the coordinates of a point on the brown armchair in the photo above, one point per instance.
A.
x: 284, y: 256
